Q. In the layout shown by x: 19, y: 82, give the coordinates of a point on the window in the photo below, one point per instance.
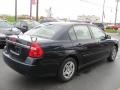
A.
x: 35, y: 24
x: 72, y: 34
x: 45, y: 31
x: 23, y: 24
x: 17, y: 24
x: 98, y: 33
x: 82, y: 32
x: 4, y: 24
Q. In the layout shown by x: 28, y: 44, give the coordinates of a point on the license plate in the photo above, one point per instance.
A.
x: 17, y: 49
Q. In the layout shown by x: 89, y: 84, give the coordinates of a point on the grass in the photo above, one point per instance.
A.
x: 11, y: 19
x: 111, y: 31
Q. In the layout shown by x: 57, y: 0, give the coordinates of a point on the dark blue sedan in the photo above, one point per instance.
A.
x: 58, y: 49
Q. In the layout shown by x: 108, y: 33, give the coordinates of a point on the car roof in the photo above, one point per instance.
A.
x: 67, y: 23
x: 25, y: 20
x: 66, y: 26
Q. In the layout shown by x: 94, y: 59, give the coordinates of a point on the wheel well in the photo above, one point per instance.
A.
x: 76, y: 59
x: 116, y: 46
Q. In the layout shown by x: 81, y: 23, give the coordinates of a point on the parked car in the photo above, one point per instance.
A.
x: 47, y: 20
x: 114, y: 27
x: 100, y: 25
x: 25, y: 25
x: 109, y: 26
x: 5, y: 30
x: 58, y: 49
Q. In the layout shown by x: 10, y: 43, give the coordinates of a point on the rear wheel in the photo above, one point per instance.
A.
x: 113, y: 54
x: 67, y: 69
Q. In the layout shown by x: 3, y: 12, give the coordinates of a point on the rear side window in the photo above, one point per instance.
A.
x: 82, y: 32
x: 72, y: 34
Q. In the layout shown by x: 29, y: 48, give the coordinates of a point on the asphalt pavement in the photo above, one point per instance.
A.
x: 100, y: 76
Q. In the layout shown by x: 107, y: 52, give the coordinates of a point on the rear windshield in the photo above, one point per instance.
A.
x: 44, y: 30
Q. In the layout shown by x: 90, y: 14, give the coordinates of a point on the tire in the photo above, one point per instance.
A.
x: 113, y: 54
x: 67, y: 70
x: 2, y: 46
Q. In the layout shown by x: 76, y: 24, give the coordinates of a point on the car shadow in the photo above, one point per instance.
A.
x: 53, y: 80
x: 51, y: 83
x: 91, y: 67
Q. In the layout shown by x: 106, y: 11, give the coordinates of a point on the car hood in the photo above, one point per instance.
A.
x: 10, y: 31
x: 115, y: 40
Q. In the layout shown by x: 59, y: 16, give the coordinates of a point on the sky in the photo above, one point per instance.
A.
x: 63, y: 8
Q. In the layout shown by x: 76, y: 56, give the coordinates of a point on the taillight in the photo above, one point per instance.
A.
x: 35, y: 50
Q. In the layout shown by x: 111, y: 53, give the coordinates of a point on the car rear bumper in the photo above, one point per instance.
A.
x: 29, y: 69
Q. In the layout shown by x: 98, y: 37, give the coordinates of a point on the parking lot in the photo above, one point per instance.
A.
x: 100, y: 76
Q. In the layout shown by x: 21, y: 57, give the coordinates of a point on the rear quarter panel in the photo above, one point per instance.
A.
x: 57, y: 52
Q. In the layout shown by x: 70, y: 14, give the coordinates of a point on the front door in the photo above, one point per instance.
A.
x: 84, y: 44
x: 100, y: 37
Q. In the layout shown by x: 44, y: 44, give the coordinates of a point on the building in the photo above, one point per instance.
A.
x: 89, y: 18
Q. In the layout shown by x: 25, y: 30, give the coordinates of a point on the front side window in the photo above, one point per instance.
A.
x: 82, y: 32
x: 98, y: 33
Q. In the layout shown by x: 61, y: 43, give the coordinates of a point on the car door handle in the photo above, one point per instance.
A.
x: 80, y: 47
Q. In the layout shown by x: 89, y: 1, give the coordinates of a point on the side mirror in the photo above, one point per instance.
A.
x: 108, y: 37
x: 102, y: 38
x: 24, y: 28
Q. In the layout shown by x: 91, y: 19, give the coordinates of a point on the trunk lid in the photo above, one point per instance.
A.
x: 18, y: 46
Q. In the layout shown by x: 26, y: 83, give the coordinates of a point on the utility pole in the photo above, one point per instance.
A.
x: 37, y: 10
x: 50, y: 12
x: 30, y: 9
x: 116, y: 12
x: 103, y: 13
x: 15, y: 10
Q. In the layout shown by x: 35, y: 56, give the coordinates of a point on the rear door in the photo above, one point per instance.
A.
x: 86, y: 47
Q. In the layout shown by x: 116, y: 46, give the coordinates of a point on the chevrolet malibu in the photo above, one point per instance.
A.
x: 58, y: 49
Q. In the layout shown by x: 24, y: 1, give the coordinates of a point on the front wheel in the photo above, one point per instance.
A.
x: 113, y: 54
x: 67, y: 69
